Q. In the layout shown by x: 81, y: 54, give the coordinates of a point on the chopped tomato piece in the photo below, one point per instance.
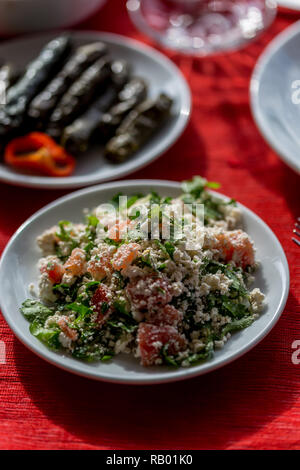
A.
x: 69, y: 332
x: 54, y: 270
x: 125, y: 256
x: 101, y: 303
x: 236, y: 246
x: 118, y: 231
x: 100, y: 266
x: 76, y: 264
x: 152, y: 339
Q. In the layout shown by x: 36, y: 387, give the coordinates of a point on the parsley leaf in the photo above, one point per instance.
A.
x: 197, y: 185
x: 238, y: 325
x: 170, y: 248
x: 48, y: 336
x: 167, y: 359
x: 132, y: 200
x: 92, y: 220
x: 77, y: 307
x: 34, y: 310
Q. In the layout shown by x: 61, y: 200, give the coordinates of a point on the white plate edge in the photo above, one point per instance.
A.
x: 259, y: 120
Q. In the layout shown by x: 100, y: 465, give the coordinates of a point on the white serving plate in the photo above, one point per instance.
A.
x: 18, y: 268
x: 289, y: 4
x: 162, y: 76
x: 272, y: 95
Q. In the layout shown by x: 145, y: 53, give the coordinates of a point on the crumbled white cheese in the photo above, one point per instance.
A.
x: 256, y: 300
x: 122, y: 343
x: 46, y: 242
x: 65, y: 341
x: 46, y: 289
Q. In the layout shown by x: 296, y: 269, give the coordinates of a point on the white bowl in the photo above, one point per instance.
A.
x: 24, y: 16
x: 18, y: 268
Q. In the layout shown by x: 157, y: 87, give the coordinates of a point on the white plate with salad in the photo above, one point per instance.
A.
x: 88, y: 290
x: 110, y: 93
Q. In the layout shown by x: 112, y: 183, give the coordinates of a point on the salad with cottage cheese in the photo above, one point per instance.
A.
x: 167, y: 280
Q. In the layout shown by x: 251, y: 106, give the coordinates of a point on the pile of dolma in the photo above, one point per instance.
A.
x: 80, y: 96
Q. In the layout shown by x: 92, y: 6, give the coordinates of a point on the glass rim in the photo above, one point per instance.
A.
x: 134, y: 9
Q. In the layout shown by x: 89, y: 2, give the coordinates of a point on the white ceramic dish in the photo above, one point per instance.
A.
x: 273, y: 95
x: 162, y: 76
x: 289, y: 4
x: 28, y: 16
x: 18, y: 268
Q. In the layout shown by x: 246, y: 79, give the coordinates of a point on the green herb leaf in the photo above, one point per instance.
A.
x: 92, y: 352
x: 92, y: 220
x: 64, y: 234
x: 234, y: 308
x: 109, y: 241
x: 88, y: 248
x: 121, y: 306
x: 91, y: 286
x: 212, y: 185
x: 170, y: 248
x: 162, y: 267
x: 123, y: 326
x: 202, y: 356
x: 64, y: 290
x: 155, y: 198
x: 83, y: 310
x: 45, y: 335
x: 106, y: 358
x: 167, y: 359
x: 167, y: 200
x: 197, y: 185
x: 194, y: 186
x: 115, y: 199
x: 238, y: 325
x: 34, y: 310
x: 212, y: 267
x: 132, y: 200
x: 145, y: 261
x: 135, y: 216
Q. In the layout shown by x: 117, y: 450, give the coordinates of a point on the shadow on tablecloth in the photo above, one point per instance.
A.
x: 227, y: 408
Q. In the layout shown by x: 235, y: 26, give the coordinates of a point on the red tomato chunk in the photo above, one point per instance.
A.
x: 152, y: 338
x: 54, y: 270
x: 101, y: 303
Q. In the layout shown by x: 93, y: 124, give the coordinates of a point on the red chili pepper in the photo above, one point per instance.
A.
x: 40, y: 153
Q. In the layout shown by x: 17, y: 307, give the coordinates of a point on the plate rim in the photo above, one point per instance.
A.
x: 289, y: 5
x: 273, y: 47
x: 183, y: 118
x: 172, y: 376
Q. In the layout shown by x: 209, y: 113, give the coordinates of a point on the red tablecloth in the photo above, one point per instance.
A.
x: 253, y: 403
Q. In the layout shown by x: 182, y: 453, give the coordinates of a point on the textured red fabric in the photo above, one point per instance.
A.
x: 253, y: 403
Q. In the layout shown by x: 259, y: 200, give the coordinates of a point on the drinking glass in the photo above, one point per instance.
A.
x: 202, y: 27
